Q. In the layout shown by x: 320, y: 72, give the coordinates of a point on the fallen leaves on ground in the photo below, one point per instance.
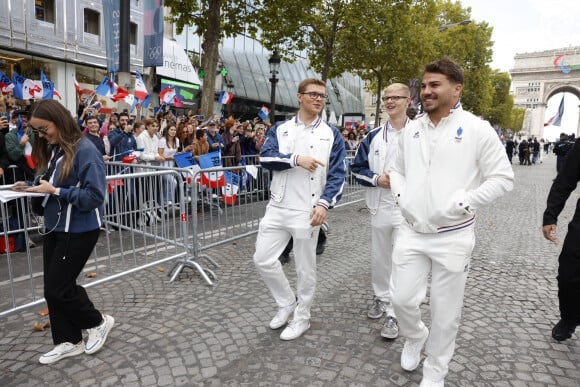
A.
x: 39, y: 327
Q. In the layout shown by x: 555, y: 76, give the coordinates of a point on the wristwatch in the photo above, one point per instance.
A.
x: 57, y: 191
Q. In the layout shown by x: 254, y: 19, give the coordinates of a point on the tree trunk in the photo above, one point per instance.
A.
x: 379, y: 100
x: 210, y: 45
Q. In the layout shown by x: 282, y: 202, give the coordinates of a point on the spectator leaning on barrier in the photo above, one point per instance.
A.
x: 371, y: 168
x: 200, y: 145
x: 569, y: 260
x: 168, y: 146
x: 72, y: 175
x: 450, y: 164
x: 148, y: 141
x: 307, y: 159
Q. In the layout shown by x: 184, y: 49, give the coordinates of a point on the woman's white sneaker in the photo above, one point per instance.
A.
x: 61, y: 351
x: 98, y: 335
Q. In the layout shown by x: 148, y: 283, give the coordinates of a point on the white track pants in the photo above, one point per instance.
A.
x: 384, y: 226
x: 276, y: 228
x: 446, y: 256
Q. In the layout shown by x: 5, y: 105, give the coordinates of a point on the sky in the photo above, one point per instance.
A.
x: 521, y: 26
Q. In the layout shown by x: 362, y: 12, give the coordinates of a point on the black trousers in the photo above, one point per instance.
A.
x: 69, y: 307
x: 569, y: 274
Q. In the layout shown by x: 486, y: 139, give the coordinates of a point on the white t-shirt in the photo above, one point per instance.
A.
x: 168, y: 152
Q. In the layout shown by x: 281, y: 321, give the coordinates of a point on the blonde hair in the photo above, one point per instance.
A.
x: 398, y: 87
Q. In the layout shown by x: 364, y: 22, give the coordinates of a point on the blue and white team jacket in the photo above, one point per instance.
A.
x: 375, y: 155
x: 287, y: 140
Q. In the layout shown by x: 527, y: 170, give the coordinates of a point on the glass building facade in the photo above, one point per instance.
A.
x: 249, y: 76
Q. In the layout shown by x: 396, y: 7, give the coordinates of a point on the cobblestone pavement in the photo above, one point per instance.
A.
x: 189, y: 333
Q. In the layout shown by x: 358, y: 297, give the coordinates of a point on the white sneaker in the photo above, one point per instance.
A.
x: 98, y: 335
x: 411, y: 356
x: 295, y: 329
x: 281, y: 318
x: 61, y: 351
x: 430, y: 383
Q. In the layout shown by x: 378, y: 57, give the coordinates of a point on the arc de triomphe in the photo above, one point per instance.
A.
x: 537, y: 76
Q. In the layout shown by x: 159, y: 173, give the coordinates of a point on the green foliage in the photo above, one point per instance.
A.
x: 517, y: 119
x: 501, y: 109
x: 305, y: 29
x: 212, y: 20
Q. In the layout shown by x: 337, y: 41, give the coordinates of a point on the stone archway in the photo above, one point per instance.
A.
x: 537, y: 76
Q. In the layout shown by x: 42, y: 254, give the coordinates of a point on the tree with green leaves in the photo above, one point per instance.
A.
x: 470, y: 45
x: 390, y: 44
x: 503, y: 102
x: 308, y: 28
x: 212, y: 20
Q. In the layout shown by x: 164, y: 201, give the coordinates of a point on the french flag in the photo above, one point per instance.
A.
x: 25, y: 88
x: 120, y: 95
x: 212, y: 179
x: 105, y: 88
x: 140, y: 89
x: 225, y: 97
x: 77, y: 87
x: 47, y: 87
x: 264, y: 112
x: 557, y: 119
x: 231, y: 187
x: 169, y: 96
x: 6, y: 84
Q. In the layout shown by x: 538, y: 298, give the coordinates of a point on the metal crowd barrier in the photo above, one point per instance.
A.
x: 144, y: 229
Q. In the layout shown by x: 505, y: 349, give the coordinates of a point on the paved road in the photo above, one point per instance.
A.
x: 188, y: 333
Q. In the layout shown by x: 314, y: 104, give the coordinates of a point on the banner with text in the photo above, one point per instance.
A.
x: 112, y: 19
x: 153, y: 33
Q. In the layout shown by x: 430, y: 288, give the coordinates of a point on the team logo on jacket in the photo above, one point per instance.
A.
x: 416, y: 134
x: 458, y: 137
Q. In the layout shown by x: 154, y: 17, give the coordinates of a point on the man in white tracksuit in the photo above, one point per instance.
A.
x: 307, y: 159
x: 373, y: 161
x: 450, y: 164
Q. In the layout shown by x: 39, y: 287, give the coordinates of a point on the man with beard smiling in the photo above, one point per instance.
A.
x: 450, y: 164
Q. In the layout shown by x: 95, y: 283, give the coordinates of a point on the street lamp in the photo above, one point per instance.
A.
x: 447, y: 26
x: 274, y: 62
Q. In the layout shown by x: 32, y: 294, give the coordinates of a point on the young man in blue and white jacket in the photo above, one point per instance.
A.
x: 373, y: 161
x: 450, y: 164
x: 307, y: 160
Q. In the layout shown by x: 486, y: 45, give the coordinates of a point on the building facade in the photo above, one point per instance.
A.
x: 65, y: 39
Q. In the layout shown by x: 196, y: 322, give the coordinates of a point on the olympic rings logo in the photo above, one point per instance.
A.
x: 154, y: 52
